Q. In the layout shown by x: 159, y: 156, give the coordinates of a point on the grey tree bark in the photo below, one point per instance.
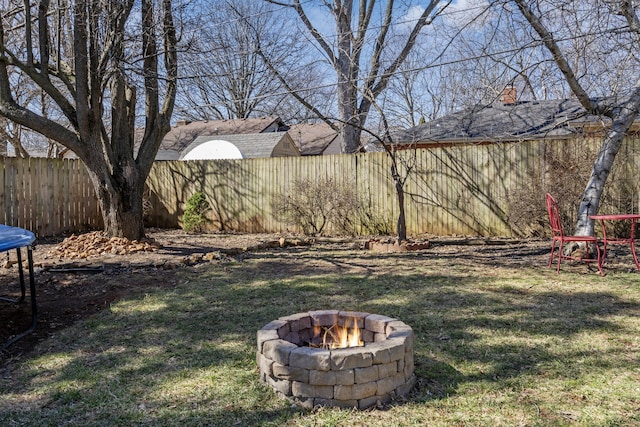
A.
x: 621, y: 108
x: 87, y: 74
x: 358, y: 85
x: 222, y: 78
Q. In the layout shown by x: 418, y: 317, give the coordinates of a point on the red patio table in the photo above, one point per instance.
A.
x: 618, y: 240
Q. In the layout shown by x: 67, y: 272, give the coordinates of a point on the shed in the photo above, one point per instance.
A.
x: 249, y: 146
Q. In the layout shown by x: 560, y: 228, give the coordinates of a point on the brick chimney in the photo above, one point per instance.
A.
x: 509, y: 95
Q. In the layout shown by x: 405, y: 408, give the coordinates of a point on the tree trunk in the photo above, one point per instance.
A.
x: 106, y: 57
x: 622, y: 114
x: 350, y: 138
x: 122, y: 217
x: 600, y: 172
x: 120, y: 195
x: 399, y: 184
x: 402, y: 222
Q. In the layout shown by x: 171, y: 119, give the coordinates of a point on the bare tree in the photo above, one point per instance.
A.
x: 19, y: 137
x: 87, y: 56
x: 222, y: 77
x: 360, y: 56
x: 594, y: 44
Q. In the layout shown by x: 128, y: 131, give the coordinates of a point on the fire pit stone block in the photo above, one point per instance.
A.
x: 278, y: 350
x: 265, y: 335
x: 311, y: 358
x: 281, y: 386
x: 356, y: 377
x: 283, y: 372
x: 324, y: 317
x: 265, y: 365
x: 348, y: 358
x: 367, y: 375
x: 300, y: 389
x: 322, y: 377
x: 298, y: 321
x: 377, y: 323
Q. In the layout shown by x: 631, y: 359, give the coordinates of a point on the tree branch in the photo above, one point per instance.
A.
x: 314, y: 32
x: 294, y: 93
x: 560, y: 60
x: 627, y: 10
x: 425, y: 19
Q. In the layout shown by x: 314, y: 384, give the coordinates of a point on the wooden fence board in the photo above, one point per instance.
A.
x: 454, y: 190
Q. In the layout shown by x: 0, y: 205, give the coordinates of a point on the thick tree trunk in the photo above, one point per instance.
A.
x: 348, y: 105
x: 109, y: 55
x: 350, y: 138
x: 592, y: 195
x: 122, y: 222
x: 120, y: 197
x: 602, y: 166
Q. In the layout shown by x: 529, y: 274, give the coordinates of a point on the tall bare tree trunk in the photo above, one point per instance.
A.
x: 622, y: 108
x: 602, y: 166
x: 358, y: 85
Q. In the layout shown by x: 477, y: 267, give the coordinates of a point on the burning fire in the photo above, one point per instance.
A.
x: 337, y: 336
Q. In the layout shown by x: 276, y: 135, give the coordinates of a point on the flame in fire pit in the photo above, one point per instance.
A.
x: 337, y: 336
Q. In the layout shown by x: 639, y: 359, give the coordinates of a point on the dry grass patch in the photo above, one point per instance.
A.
x: 496, y: 344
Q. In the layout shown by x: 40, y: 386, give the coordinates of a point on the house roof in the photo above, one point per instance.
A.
x: 184, y: 133
x: 312, y: 139
x: 505, y: 122
x: 252, y: 146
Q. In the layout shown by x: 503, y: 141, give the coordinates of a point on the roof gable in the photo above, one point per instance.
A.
x: 312, y: 139
x: 182, y: 135
x: 256, y: 145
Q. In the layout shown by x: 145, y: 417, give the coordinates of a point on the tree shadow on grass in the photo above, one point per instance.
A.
x: 187, y: 352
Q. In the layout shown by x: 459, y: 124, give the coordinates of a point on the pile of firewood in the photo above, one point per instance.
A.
x: 96, y: 243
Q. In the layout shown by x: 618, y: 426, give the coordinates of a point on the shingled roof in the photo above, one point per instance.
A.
x: 184, y: 133
x: 499, y: 122
x: 252, y: 146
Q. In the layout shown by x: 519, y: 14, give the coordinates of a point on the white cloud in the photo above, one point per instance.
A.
x: 460, y: 12
x: 457, y: 14
x: 413, y: 14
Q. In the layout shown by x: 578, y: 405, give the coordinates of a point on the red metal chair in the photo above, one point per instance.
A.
x: 558, y: 236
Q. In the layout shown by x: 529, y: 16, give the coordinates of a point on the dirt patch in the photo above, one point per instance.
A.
x: 79, y: 276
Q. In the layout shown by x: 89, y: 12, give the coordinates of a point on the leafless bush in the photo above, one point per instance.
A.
x: 375, y: 224
x: 319, y: 206
x: 564, y: 174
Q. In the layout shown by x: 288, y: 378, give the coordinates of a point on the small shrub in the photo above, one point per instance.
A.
x: 375, y: 224
x: 318, y: 206
x: 194, y: 217
x: 564, y: 176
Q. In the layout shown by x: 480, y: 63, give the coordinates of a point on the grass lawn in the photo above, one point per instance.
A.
x: 496, y: 345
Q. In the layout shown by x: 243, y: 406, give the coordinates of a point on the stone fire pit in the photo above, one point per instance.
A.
x: 359, y: 377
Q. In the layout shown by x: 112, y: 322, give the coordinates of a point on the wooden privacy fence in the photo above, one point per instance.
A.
x: 47, y: 196
x: 466, y: 190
